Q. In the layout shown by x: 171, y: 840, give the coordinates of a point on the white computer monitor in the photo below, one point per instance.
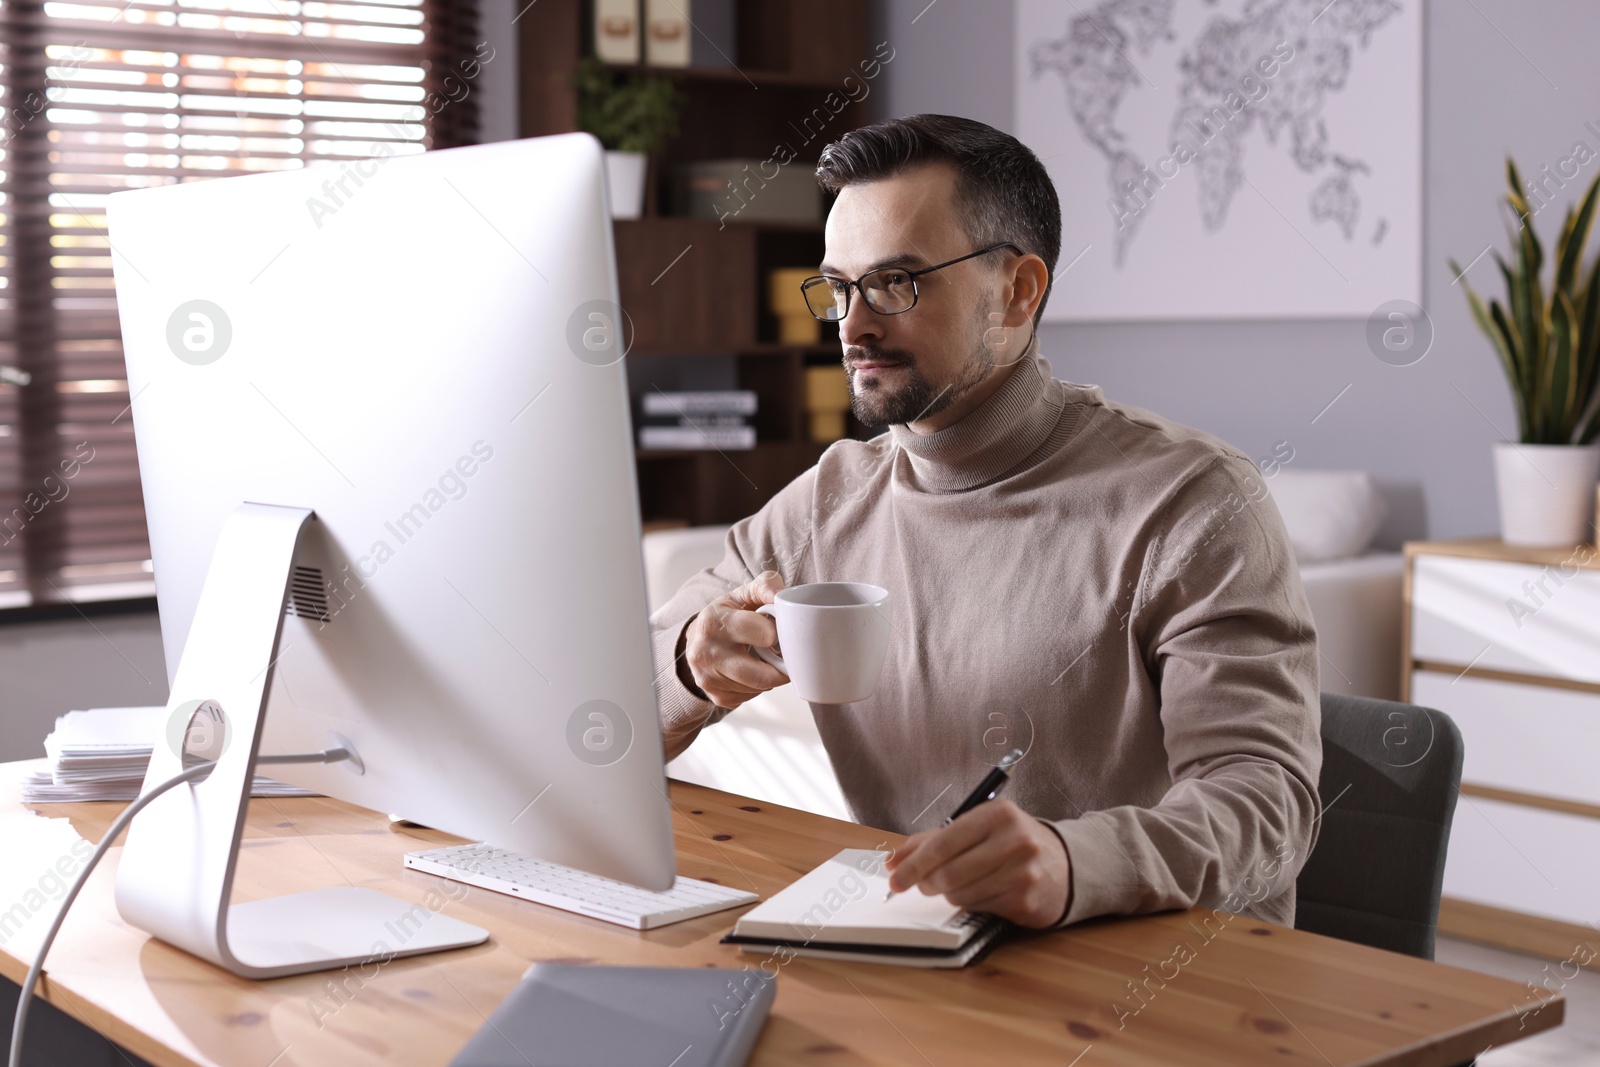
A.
x: 425, y: 353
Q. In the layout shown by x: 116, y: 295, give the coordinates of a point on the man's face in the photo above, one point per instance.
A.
x: 922, y: 364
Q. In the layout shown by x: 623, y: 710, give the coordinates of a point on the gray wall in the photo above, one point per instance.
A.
x: 1256, y: 383
x: 49, y: 668
x: 497, y: 106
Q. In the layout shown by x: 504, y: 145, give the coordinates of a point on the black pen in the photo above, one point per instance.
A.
x: 987, y: 789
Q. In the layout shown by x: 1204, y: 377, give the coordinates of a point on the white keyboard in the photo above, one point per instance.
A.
x: 577, y: 891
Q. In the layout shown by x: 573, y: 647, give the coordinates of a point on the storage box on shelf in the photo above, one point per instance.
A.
x: 1506, y: 641
x: 699, y: 286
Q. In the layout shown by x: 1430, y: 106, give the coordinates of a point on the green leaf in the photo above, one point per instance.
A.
x: 1589, y: 320
x: 1526, y: 316
x: 1519, y: 204
x: 1526, y: 291
x: 1535, y: 323
x: 1496, y: 332
x: 1513, y: 178
x: 1574, y: 236
x: 1588, y: 353
x: 1561, y: 374
x: 1549, y: 345
x: 1530, y: 261
x: 1526, y: 411
x: 1519, y: 342
x: 1588, y: 304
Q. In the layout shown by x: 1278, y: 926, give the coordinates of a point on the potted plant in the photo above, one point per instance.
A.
x: 1549, y: 346
x: 633, y: 116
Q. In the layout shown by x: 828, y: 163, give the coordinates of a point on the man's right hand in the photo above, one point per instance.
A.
x: 717, y: 644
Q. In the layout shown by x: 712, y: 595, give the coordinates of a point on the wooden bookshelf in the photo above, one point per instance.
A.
x: 696, y: 288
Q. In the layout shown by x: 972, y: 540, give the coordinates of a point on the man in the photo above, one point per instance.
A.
x: 1104, y: 589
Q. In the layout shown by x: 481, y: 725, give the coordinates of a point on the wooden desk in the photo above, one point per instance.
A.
x: 1244, y: 993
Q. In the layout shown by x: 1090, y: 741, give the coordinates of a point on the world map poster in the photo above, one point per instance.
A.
x: 1227, y: 159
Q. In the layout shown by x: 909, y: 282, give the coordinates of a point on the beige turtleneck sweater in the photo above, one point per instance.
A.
x: 1110, y: 591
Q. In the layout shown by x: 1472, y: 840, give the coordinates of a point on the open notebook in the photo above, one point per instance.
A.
x: 838, y: 911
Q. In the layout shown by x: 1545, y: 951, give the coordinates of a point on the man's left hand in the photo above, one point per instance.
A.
x: 996, y: 858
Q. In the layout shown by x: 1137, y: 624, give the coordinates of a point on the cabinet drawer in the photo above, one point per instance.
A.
x: 1537, y: 862
x: 1490, y: 613
x: 1522, y: 737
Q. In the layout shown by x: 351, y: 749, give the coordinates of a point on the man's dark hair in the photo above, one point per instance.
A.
x: 1003, y: 192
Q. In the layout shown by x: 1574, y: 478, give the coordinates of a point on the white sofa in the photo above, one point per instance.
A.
x: 769, y: 748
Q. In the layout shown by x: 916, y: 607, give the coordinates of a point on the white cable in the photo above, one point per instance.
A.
x: 332, y: 755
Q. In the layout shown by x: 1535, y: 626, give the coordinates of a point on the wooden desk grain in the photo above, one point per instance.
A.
x: 1227, y: 992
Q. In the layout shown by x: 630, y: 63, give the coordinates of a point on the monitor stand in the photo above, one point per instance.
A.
x: 176, y: 871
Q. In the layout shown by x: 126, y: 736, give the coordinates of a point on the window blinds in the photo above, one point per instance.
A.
x: 99, y: 96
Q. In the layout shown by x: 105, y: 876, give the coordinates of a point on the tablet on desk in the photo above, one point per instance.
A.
x: 571, y: 1015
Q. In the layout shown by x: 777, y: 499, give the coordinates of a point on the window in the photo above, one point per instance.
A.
x: 101, y: 95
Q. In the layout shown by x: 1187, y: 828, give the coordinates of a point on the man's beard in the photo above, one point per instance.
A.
x: 875, y: 403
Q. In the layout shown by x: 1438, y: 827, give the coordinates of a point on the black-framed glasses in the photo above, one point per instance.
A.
x: 887, y: 290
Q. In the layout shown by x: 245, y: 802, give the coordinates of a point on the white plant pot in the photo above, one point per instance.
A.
x: 1547, y: 493
x: 625, y: 175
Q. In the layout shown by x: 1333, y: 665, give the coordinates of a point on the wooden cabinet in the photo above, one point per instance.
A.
x: 686, y: 284
x: 698, y: 288
x: 1506, y: 641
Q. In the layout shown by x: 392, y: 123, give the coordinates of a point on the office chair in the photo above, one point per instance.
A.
x: 1390, y: 776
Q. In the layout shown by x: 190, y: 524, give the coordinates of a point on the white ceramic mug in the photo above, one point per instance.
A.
x: 834, y: 636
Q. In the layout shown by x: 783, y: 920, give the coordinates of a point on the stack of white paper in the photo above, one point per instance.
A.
x: 102, y: 754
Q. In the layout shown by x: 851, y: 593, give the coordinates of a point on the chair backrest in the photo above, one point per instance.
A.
x: 1390, y: 776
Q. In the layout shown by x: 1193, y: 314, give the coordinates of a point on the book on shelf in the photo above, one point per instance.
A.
x: 658, y: 403
x: 707, y: 419
x: 699, y: 435
x: 839, y: 911
x: 103, y: 753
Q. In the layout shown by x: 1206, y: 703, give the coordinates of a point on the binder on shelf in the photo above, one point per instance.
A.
x: 616, y: 30
x: 667, y: 33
